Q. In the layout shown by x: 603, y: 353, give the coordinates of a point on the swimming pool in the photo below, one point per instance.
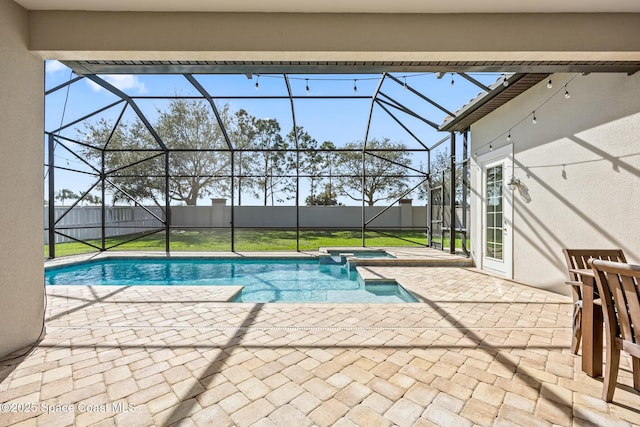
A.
x: 263, y: 280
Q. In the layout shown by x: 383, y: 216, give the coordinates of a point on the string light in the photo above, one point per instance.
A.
x: 308, y: 90
x: 505, y: 82
x: 405, y: 83
x: 258, y: 82
x: 533, y: 114
x: 355, y: 86
x: 453, y: 82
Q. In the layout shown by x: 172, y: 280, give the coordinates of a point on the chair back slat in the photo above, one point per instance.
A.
x: 579, y: 258
x: 632, y: 295
x: 618, y: 286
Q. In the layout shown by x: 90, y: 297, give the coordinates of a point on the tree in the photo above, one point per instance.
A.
x: 190, y: 125
x: 327, y: 159
x: 242, y: 133
x: 92, y: 199
x: 325, y: 198
x: 135, y: 162
x: 317, y: 164
x: 271, y: 164
x: 310, y: 158
x: 385, y: 177
x: 65, y: 194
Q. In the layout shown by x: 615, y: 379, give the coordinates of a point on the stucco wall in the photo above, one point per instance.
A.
x: 333, y: 37
x: 580, y: 170
x: 21, y: 185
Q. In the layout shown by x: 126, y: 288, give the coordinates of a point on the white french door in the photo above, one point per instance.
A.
x: 495, y: 221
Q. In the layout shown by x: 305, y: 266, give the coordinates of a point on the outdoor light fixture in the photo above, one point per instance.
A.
x: 509, y: 135
x: 452, y: 81
x: 535, y: 120
x: 549, y: 84
x: 505, y: 82
x: 566, y: 92
x: 308, y: 90
x: 513, y: 183
x: 355, y: 87
x: 258, y: 83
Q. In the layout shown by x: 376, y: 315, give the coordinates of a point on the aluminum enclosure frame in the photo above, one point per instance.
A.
x: 379, y: 99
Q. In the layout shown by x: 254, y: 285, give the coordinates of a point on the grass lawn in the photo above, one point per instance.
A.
x: 248, y: 240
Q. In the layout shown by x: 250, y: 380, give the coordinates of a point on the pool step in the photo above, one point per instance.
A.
x: 412, y: 262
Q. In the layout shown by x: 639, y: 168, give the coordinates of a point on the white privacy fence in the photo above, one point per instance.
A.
x: 84, y: 222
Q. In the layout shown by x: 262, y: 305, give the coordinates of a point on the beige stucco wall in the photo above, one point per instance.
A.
x: 21, y: 185
x: 352, y: 37
x: 580, y: 170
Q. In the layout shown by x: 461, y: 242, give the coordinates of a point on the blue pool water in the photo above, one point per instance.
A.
x: 263, y: 280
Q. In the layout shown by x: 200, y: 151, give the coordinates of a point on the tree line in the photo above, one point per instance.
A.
x: 264, y: 160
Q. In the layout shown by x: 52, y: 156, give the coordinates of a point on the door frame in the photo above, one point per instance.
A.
x: 502, y: 155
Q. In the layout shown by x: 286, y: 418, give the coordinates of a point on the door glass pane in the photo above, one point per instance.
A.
x: 493, y: 231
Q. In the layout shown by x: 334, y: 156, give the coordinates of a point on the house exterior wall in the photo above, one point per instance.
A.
x: 21, y: 185
x: 579, y: 167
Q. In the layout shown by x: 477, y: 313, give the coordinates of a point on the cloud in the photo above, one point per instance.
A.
x: 124, y: 82
x: 54, y: 66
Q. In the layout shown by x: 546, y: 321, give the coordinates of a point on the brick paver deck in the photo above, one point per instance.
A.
x: 476, y: 351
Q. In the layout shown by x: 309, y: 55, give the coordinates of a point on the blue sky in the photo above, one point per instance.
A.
x: 340, y: 121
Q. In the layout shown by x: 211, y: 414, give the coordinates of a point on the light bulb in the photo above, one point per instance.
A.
x: 490, y: 147
x: 405, y: 83
x: 535, y: 120
x: 308, y: 90
x: 509, y: 135
x: 566, y: 93
x: 452, y: 81
x: 549, y: 84
x: 355, y: 87
x: 258, y: 83
x: 505, y: 83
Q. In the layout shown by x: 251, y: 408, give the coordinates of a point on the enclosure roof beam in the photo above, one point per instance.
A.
x: 422, y: 96
x: 373, y: 103
x: 398, y: 106
x: 209, y: 99
x: 132, y: 103
x: 475, y: 82
x: 63, y: 85
x: 93, y: 113
x: 401, y: 124
x: 115, y: 126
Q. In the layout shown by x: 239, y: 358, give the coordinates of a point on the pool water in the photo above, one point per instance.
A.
x: 263, y: 280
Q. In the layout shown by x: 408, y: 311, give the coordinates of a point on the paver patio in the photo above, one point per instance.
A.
x: 477, y: 350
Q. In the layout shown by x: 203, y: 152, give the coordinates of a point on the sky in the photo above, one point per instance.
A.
x: 338, y: 120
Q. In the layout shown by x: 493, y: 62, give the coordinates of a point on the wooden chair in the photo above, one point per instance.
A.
x: 579, y: 259
x: 620, y: 295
